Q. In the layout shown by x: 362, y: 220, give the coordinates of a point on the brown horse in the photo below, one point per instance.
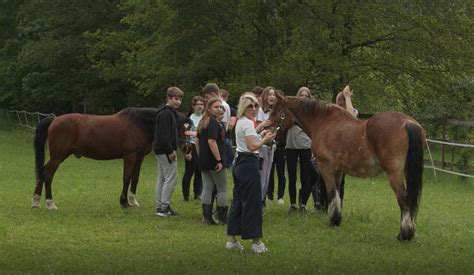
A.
x: 387, y: 142
x: 127, y: 134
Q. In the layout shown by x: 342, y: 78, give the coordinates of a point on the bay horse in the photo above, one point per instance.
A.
x: 127, y: 134
x: 389, y: 142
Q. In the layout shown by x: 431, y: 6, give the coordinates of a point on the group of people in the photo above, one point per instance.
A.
x: 257, y: 155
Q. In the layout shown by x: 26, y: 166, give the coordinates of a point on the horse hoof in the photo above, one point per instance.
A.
x: 50, y: 205
x: 124, y: 202
x: 335, y: 220
x: 132, y: 200
x: 405, y: 236
x: 35, y: 201
x: 332, y: 225
x: 135, y: 204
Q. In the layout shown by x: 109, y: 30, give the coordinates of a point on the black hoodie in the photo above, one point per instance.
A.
x: 166, y: 131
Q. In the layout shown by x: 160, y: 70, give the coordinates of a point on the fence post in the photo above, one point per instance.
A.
x: 444, y: 121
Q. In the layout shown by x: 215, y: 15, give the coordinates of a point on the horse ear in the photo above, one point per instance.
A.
x: 279, y: 97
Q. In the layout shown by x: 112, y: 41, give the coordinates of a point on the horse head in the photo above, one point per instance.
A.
x: 281, y: 117
x: 184, y: 124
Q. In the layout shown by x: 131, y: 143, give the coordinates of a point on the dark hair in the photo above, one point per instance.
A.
x: 210, y: 88
x: 257, y: 90
x: 193, y: 102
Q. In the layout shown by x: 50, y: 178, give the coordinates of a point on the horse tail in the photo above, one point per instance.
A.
x: 41, y: 135
x: 414, y: 166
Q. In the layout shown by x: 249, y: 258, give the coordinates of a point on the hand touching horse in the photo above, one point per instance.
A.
x: 127, y: 134
x: 387, y: 142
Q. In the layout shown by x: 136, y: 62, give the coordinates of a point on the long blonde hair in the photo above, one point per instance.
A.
x: 303, y: 89
x: 205, y: 116
x: 246, y: 100
x: 266, y: 91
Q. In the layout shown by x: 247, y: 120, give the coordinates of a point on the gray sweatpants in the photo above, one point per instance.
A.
x: 211, y: 178
x: 166, y: 181
x: 266, y: 152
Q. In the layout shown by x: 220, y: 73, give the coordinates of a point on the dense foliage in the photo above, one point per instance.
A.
x: 99, y: 56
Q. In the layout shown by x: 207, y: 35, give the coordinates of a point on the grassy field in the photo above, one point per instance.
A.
x: 90, y: 233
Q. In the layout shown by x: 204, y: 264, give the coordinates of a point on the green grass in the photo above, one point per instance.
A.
x: 91, y: 233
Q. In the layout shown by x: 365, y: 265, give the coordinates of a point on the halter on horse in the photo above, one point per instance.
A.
x: 387, y: 142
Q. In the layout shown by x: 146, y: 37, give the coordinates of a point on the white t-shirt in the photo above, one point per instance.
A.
x: 195, y: 118
x: 262, y: 116
x: 226, y: 116
x: 244, y: 128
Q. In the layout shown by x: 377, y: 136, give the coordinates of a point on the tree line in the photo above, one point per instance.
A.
x: 99, y: 56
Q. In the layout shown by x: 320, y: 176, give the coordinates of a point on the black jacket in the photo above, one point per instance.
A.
x: 166, y: 131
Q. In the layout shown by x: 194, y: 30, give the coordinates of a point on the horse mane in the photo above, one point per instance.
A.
x: 317, y: 107
x: 310, y: 106
x: 145, y: 118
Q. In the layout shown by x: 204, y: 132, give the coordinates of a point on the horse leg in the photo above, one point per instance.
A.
x: 35, y: 201
x: 334, y: 201
x: 128, y: 165
x: 132, y: 197
x: 49, y: 170
x: 339, y: 180
x: 407, y: 226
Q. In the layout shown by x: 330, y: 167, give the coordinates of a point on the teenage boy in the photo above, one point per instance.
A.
x: 164, y: 146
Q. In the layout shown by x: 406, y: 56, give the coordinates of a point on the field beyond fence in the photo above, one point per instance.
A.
x: 91, y: 233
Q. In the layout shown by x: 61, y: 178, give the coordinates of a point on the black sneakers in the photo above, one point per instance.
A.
x: 293, y: 208
x: 168, y: 212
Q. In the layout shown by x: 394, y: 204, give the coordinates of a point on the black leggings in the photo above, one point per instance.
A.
x: 304, y: 157
x: 279, y: 159
x: 192, y: 168
x: 318, y: 189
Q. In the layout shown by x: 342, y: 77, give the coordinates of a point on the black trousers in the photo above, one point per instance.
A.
x: 304, y: 157
x: 279, y: 160
x: 319, y: 189
x: 245, y: 213
x: 192, y: 168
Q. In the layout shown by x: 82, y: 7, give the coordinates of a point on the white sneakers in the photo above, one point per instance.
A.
x: 257, y: 248
x: 234, y: 246
x: 280, y: 202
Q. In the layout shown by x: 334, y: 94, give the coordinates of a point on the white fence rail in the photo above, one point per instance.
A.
x: 432, y: 166
x: 450, y: 143
x: 31, y: 119
x: 24, y: 118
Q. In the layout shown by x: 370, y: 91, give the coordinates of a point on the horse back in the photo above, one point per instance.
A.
x: 95, y: 136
